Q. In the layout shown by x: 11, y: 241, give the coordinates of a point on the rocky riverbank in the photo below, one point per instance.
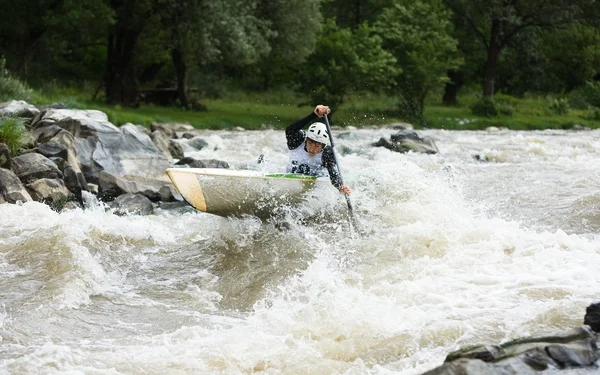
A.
x: 69, y: 152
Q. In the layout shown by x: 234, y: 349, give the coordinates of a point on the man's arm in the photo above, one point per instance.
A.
x: 328, y: 161
x: 294, y: 133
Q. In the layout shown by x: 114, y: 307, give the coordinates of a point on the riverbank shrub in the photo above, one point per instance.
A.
x: 485, y: 107
x: 593, y: 113
x: 559, y: 106
x: 12, y: 130
x: 10, y: 87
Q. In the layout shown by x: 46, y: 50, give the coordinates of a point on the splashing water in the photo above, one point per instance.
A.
x: 456, y: 252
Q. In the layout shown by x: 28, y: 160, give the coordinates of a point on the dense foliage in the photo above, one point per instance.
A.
x: 179, y: 52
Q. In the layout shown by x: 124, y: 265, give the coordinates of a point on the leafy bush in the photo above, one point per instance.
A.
x: 586, y: 96
x: 505, y: 109
x: 11, y: 133
x: 560, y: 106
x: 593, y: 113
x: 11, y: 88
x: 485, y: 107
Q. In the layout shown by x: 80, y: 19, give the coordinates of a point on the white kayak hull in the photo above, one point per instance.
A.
x: 227, y: 192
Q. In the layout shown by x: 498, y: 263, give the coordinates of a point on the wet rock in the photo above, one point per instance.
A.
x: 5, y: 159
x: 184, y: 135
x: 50, y: 191
x: 132, y: 204
x: 92, y: 188
x: 176, y: 150
x: 161, y: 140
x: 111, y: 186
x: 18, y: 108
x: 197, y: 143
x: 408, y: 140
x: 576, y: 348
x: 70, y: 205
x: 46, y: 133
x: 52, y: 149
x: 33, y: 166
x: 11, y: 188
x: 99, y: 145
x: 170, y: 128
x: 592, y: 316
x: 75, y: 182
x: 206, y: 163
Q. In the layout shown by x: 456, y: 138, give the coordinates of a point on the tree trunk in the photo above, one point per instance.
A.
x: 182, y: 72
x: 120, y: 82
x: 451, y: 89
x: 492, y: 60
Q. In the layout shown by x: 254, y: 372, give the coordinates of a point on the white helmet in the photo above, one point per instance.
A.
x: 318, y: 133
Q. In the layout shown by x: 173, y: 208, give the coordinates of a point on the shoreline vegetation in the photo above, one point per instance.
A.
x: 277, y: 109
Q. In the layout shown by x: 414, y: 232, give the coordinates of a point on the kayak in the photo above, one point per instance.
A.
x: 227, y: 192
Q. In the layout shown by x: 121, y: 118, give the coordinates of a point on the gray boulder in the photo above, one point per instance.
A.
x: 18, y: 108
x: 408, y: 140
x: 176, y: 150
x: 11, y: 188
x: 188, y: 162
x: 101, y: 146
x: 5, y: 159
x: 197, y: 143
x: 33, y: 166
x: 170, y: 128
x: 50, y: 191
x: 162, y: 141
x: 577, y: 348
x: 52, y: 150
x: 111, y: 186
x: 132, y: 204
x: 592, y: 316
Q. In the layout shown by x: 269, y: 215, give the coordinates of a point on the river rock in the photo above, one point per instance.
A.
x: 197, y: 143
x: 33, y: 166
x: 5, y: 159
x: 50, y: 191
x: 592, y: 316
x: 170, y: 128
x: 111, y: 186
x: 52, y: 149
x: 102, y: 146
x: 576, y: 348
x: 18, y: 108
x: 408, y: 140
x: 176, y: 150
x: 205, y: 163
x: 132, y: 204
x: 11, y: 188
x: 45, y: 133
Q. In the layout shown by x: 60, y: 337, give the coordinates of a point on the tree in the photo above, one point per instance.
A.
x: 43, y: 36
x: 418, y: 36
x: 344, y: 61
x: 121, y: 81
x: 227, y: 32
x: 293, y: 29
x: 498, y: 22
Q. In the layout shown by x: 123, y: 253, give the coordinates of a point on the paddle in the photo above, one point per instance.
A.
x: 352, y: 217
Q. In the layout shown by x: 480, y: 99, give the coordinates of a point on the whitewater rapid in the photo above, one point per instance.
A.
x: 494, y: 238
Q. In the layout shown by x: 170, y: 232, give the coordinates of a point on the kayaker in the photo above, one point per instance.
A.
x: 310, y: 152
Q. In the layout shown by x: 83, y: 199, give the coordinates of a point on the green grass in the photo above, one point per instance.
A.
x: 529, y: 113
x: 278, y: 109
x: 12, y: 130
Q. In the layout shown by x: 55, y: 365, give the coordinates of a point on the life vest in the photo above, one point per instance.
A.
x: 300, y: 161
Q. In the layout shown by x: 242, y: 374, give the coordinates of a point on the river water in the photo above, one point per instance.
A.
x: 456, y: 251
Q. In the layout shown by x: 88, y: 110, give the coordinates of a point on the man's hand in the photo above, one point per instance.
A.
x: 321, y: 110
x: 345, y: 190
